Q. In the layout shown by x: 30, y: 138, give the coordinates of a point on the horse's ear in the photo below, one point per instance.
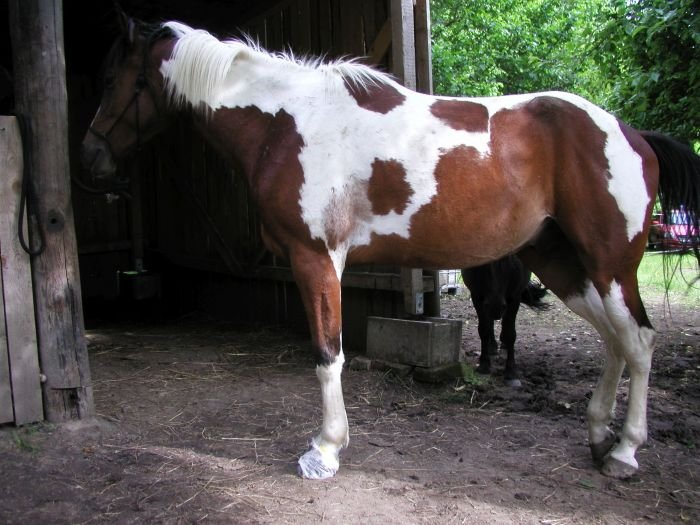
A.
x: 127, y: 25
x: 131, y: 30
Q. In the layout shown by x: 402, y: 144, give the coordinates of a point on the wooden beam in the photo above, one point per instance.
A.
x: 7, y: 414
x: 403, y: 45
x: 403, y: 42
x: 36, y: 30
x: 380, y: 45
x: 18, y: 318
x: 413, y: 295
x: 424, y: 84
x: 424, y: 61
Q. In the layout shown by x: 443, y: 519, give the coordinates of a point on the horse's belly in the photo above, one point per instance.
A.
x: 450, y: 244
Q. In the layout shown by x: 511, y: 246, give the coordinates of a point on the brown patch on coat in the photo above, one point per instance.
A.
x: 266, y: 148
x: 388, y: 189
x: 462, y: 115
x: 380, y: 98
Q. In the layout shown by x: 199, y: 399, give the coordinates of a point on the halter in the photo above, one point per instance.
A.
x: 141, y: 82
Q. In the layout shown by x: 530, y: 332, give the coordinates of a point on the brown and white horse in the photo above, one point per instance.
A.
x: 349, y: 167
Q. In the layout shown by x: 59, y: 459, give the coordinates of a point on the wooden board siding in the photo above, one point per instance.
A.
x: 6, y: 412
x: 19, y: 330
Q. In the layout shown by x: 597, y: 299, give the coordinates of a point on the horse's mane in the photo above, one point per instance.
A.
x: 201, y: 62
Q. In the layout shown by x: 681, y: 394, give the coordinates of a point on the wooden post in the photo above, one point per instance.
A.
x: 403, y: 42
x: 36, y: 30
x: 17, y: 315
x: 424, y: 61
x: 403, y: 54
x: 424, y: 84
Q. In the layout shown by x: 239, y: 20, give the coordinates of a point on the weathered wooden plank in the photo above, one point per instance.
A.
x: 36, y: 28
x: 336, y: 29
x: 351, y: 39
x: 286, y: 16
x: 275, y: 36
x: 325, y: 26
x: 380, y: 45
x: 403, y: 42
x: 6, y: 412
x: 424, y: 64
x: 300, y: 37
x: 412, y: 283
x: 17, y: 283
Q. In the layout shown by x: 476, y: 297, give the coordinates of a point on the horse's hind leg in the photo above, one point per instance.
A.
x: 630, y: 340
x: 320, y: 291
x: 635, y: 339
x: 601, y: 407
x: 615, y: 309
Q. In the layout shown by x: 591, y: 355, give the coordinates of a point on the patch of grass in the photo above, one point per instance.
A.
x: 22, y: 443
x: 472, y: 378
x: 25, y: 438
x: 674, y: 273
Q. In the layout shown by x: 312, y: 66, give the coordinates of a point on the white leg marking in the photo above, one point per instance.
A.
x: 601, y: 407
x: 321, y: 461
x: 636, y: 344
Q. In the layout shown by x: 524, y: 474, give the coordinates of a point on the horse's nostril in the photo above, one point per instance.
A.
x: 87, y: 156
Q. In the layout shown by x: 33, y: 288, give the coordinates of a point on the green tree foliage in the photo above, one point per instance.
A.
x: 495, y: 47
x: 650, y: 49
x: 639, y: 59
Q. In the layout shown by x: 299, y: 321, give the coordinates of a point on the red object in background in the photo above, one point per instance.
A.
x: 675, y: 234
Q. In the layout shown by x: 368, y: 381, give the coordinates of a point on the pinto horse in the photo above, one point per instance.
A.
x: 497, y: 289
x: 349, y: 167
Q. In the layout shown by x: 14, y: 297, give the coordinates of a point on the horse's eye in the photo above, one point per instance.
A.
x: 109, y: 81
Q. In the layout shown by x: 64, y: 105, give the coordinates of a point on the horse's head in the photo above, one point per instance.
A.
x: 134, y: 106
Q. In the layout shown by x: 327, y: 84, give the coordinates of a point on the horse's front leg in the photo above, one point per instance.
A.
x: 486, y: 336
x: 508, y: 335
x: 319, y: 285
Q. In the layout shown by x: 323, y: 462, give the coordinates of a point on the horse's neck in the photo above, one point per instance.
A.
x: 237, y: 134
x: 245, y: 121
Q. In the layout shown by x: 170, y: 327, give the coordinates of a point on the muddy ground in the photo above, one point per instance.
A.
x: 201, y: 423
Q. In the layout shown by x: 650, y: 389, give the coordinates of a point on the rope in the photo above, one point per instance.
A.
x: 27, y: 195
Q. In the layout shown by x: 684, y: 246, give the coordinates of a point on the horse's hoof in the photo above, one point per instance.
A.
x: 316, y: 465
x: 617, y: 469
x: 600, y: 450
x: 513, y: 382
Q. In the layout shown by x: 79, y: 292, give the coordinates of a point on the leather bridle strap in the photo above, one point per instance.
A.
x: 141, y: 82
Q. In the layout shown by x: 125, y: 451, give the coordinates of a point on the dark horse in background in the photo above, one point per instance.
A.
x: 346, y: 166
x: 497, y: 289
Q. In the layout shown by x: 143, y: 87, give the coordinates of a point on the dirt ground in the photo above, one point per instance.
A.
x: 201, y: 423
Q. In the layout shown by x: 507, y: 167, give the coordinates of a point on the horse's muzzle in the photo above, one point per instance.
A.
x: 97, y: 158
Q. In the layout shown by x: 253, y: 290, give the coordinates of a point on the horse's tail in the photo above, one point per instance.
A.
x: 679, y: 184
x: 532, y: 296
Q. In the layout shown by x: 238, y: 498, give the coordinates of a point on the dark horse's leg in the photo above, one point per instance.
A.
x: 320, y: 291
x: 486, y: 334
x: 508, y: 334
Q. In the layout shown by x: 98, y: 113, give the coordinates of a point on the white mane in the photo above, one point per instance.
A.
x: 200, y: 64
